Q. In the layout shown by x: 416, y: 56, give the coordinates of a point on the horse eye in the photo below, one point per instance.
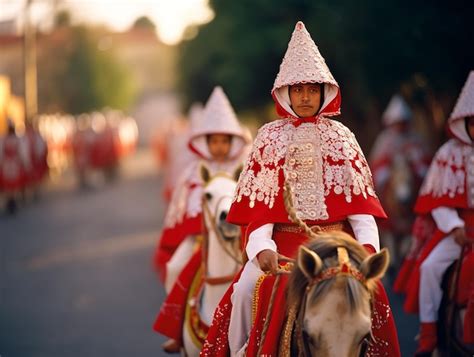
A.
x: 309, y: 338
x: 208, y: 196
x: 366, y: 338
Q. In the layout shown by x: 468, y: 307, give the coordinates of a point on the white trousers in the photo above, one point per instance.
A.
x: 177, y: 262
x: 241, y: 315
x: 431, y: 275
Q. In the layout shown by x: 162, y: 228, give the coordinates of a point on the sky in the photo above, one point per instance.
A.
x: 170, y: 16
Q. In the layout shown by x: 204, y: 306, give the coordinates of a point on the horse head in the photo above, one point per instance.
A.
x: 331, y: 291
x: 217, y: 199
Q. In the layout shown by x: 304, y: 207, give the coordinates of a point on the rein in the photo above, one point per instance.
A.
x: 220, y: 239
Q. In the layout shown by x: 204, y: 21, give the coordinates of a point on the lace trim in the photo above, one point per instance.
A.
x: 451, y: 172
x: 318, y: 158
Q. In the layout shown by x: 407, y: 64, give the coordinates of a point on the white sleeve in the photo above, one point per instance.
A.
x: 365, y: 229
x: 260, y: 239
x: 446, y: 219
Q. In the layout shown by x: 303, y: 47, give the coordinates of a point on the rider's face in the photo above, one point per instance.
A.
x: 305, y: 99
x: 219, y: 146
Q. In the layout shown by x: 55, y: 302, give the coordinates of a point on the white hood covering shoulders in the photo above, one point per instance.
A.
x: 397, y: 111
x: 218, y: 117
x: 464, y: 108
x: 303, y: 63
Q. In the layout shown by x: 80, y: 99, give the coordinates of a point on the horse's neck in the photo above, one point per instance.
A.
x: 219, y: 264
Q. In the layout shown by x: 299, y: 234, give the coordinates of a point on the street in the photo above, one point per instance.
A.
x: 75, y: 273
x: 76, y: 277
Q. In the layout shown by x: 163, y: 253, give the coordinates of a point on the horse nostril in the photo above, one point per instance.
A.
x: 223, y: 216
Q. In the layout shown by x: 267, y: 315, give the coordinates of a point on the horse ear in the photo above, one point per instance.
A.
x: 204, y: 173
x: 309, y: 262
x: 375, y: 265
x: 237, y: 172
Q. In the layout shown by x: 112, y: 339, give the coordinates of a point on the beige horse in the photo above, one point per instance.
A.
x: 329, y: 296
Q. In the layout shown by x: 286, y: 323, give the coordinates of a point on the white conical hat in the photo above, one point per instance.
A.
x: 397, y: 111
x: 464, y: 108
x: 218, y: 118
x: 302, y: 62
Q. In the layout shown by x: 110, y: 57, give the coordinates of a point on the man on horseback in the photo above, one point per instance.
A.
x: 221, y: 144
x: 331, y: 187
x: 445, y: 202
x: 399, y: 161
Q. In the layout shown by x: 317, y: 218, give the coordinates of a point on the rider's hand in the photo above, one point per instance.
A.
x: 268, y: 261
x: 459, y: 235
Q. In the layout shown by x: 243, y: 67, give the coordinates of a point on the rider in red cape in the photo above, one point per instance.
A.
x: 14, y: 166
x: 445, y: 207
x: 332, y: 187
x: 218, y: 119
x: 183, y: 218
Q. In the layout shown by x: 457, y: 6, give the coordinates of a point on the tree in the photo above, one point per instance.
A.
x: 76, y: 76
x: 374, y: 48
x: 144, y: 22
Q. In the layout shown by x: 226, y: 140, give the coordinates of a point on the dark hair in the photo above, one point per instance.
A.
x: 466, y: 123
x: 208, y: 136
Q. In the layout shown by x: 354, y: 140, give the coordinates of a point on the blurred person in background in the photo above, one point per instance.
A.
x: 399, y: 160
x: 14, y: 167
x: 444, y: 228
x: 220, y: 142
x: 38, y: 155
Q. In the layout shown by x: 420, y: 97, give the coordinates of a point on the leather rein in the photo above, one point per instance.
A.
x: 220, y: 239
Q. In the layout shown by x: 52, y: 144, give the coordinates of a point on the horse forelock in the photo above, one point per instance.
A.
x: 326, y: 247
x: 217, y: 175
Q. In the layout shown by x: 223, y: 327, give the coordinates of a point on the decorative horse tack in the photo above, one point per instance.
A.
x: 221, y: 243
x: 221, y: 279
x: 344, y: 268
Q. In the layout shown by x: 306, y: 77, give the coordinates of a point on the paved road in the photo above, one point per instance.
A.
x: 75, y: 277
x: 75, y: 273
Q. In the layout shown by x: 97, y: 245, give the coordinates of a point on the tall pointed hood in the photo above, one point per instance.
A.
x: 397, y: 111
x: 218, y: 117
x: 464, y: 108
x: 303, y: 63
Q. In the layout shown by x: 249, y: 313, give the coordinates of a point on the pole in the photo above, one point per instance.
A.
x: 30, y: 75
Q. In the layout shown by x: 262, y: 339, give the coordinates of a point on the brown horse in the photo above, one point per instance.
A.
x: 329, y: 297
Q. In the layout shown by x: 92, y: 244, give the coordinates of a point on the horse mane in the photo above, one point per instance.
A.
x: 326, y: 247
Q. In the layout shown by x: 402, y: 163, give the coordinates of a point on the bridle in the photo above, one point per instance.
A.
x: 344, y: 268
x: 211, y: 217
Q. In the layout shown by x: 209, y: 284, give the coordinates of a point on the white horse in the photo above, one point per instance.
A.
x: 221, y: 259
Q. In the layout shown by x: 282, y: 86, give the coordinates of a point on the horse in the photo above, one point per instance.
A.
x: 221, y: 258
x: 453, y: 309
x: 330, y: 290
x: 398, y: 196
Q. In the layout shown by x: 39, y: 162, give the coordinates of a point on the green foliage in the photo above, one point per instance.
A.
x: 83, y: 76
x: 374, y: 48
x: 144, y: 22
x: 62, y: 19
